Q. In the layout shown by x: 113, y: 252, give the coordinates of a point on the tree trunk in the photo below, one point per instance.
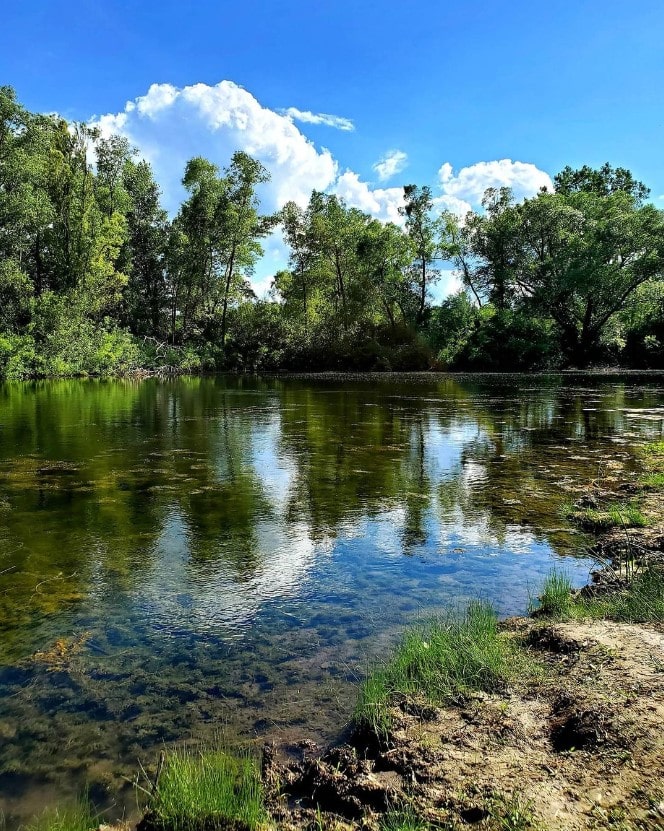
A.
x: 423, y: 292
x: 227, y: 289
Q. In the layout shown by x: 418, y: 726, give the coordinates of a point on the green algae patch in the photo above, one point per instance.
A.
x: 207, y: 789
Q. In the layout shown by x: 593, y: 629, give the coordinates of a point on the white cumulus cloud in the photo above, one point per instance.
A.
x: 383, y: 203
x: 393, y: 162
x: 169, y: 125
x: 470, y: 182
x: 307, y: 117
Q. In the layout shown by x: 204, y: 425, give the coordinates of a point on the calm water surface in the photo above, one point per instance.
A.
x: 183, y: 557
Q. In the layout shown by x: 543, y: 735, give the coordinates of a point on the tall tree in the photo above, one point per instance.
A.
x: 147, y: 233
x: 431, y: 238
x: 300, y: 281
x: 220, y: 228
x: 242, y: 225
x: 489, y: 246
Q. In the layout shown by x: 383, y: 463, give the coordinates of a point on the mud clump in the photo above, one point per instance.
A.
x: 552, y: 639
x: 558, y: 749
x: 578, y: 725
x: 337, y: 781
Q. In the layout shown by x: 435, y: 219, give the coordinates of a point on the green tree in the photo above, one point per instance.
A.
x: 585, y: 255
x: 489, y: 248
x: 218, y: 232
x: 146, y: 296
x: 432, y: 239
x: 603, y: 182
x: 385, y: 253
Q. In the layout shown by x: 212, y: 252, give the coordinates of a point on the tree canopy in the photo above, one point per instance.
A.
x: 96, y: 278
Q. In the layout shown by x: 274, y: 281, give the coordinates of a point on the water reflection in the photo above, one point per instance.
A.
x: 187, y: 553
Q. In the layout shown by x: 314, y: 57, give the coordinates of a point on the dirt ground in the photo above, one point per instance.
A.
x: 579, y: 746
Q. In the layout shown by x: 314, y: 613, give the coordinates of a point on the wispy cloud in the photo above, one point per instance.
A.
x: 307, y: 117
x: 393, y: 162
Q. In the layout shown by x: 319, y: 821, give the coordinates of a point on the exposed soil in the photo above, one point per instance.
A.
x: 583, y: 744
x: 580, y: 745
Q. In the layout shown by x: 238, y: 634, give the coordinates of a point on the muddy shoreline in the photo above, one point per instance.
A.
x: 579, y: 747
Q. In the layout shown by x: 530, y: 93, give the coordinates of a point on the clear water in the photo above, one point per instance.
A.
x: 179, y: 558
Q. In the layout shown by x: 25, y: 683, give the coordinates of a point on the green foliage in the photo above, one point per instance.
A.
x: 555, y: 599
x: 76, y: 817
x: 452, y: 326
x: 603, y: 181
x: 210, y: 788
x: 639, y: 600
x: 89, y: 260
x: 432, y: 239
x: 443, y: 661
x: 506, y: 340
x: 575, y: 257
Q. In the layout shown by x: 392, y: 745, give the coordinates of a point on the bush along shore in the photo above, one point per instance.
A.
x: 548, y: 722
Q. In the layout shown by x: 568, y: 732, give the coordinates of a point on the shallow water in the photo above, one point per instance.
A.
x: 188, y: 556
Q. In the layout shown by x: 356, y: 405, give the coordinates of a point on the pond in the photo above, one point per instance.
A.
x: 184, y: 558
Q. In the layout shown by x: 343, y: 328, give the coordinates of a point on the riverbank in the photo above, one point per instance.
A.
x: 549, y: 722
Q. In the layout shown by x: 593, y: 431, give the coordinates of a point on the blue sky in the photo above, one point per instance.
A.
x: 455, y: 95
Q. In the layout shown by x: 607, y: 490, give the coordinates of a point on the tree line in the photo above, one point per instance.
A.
x: 96, y: 278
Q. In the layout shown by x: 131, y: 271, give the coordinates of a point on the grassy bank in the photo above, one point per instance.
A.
x: 638, y: 600
x: 441, y: 662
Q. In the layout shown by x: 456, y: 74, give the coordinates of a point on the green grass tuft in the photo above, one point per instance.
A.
x: 76, y: 817
x: 207, y: 789
x: 440, y: 662
x: 655, y: 481
x: 653, y: 460
x: 403, y: 820
x: 641, y: 600
x: 613, y: 515
x: 512, y: 813
x: 555, y: 598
